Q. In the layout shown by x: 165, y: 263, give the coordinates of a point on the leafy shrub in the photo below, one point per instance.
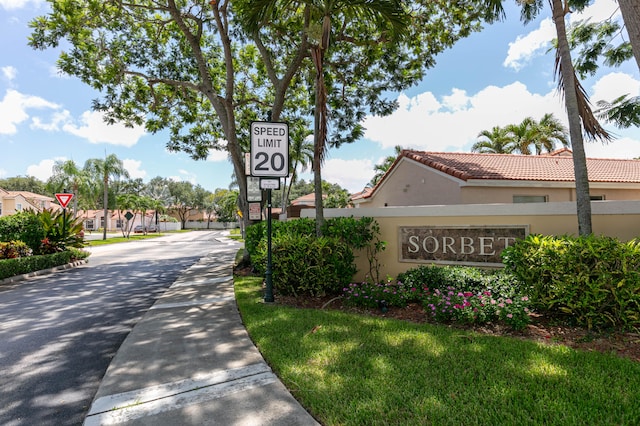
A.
x: 462, y: 278
x: 304, y: 265
x: 24, y: 265
x: 469, y: 308
x: 61, y: 231
x: 593, y: 280
x: 23, y: 226
x: 449, y: 294
x: 257, y: 233
x: 356, y: 234
x: 14, y: 249
x: 371, y: 294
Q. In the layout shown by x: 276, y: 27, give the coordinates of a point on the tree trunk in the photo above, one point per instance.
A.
x: 105, y: 200
x: 630, y: 10
x: 583, y: 200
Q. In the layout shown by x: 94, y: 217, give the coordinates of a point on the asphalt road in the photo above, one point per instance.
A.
x: 59, y: 332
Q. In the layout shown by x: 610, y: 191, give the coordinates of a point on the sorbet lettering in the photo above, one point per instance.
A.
x: 466, y: 245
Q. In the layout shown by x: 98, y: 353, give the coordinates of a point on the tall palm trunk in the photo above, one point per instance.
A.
x: 630, y: 10
x: 319, y: 140
x: 583, y: 201
x: 320, y: 119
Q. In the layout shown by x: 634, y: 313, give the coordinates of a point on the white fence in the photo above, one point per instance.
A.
x: 210, y: 225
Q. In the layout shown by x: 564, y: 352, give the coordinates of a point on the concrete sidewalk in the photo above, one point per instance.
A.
x: 190, y: 361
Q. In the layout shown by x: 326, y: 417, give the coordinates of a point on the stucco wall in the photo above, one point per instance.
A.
x: 413, y: 184
x: 619, y: 219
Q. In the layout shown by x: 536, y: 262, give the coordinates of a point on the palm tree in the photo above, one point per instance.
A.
x: 110, y: 167
x: 381, y: 169
x: 319, y: 17
x: 66, y: 174
x: 550, y: 131
x: 630, y: 11
x: 301, y: 153
x: 523, y: 135
x: 495, y: 141
x: 542, y: 135
x: 576, y: 102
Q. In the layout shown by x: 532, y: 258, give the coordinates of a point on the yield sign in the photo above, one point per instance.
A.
x: 64, y: 199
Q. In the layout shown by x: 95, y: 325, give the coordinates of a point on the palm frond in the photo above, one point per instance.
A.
x: 590, y: 124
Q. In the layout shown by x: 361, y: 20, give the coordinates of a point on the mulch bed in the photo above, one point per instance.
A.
x: 541, y: 329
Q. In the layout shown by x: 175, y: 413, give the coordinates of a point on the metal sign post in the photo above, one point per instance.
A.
x: 63, y: 199
x: 269, y: 159
x: 268, y: 274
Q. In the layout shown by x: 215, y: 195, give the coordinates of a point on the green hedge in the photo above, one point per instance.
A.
x: 305, y: 265
x: 23, y: 226
x: 24, y: 265
x: 593, y: 280
x: 359, y: 234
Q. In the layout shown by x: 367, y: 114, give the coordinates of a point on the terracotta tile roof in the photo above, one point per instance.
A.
x: 552, y: 168
x: 29, y: 195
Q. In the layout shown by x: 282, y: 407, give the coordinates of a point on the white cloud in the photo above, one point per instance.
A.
x: 216, y: 155
x: 96, y: 130
x: 435, y: 127
x: 133, y: 167
x: 598, y: 11
x: 614, y: 85
x: 18, y: 4
x: 528, y: 46
x: 9, y: 72
x: 57, y: 119
x: 458, y: 100
x: 538, y: 41
x: 44, y: 169
x: 3, y: 173
x: 186, y: 176
x: 352, y: 175
x: 13, y: 109
x: 624, y: 147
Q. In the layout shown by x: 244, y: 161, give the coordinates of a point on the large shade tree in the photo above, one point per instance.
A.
x: 181, y: 66
x: 360, y: 52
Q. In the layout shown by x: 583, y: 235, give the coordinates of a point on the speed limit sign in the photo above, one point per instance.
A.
x: 269, y: 149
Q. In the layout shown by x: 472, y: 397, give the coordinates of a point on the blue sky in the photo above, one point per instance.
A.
x: 496, y: 77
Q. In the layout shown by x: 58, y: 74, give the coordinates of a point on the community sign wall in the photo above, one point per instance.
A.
x: 476, y: 234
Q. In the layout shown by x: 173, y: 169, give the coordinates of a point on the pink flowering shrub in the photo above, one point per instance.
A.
x: 465, y: 307
x: 372, y: 295
x: 450, y: 294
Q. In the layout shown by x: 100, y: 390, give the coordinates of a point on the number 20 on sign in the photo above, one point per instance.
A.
x: 269, y: 149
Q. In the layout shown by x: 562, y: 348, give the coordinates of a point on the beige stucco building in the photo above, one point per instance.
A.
x: 12, y: 202
x: 419, y: 178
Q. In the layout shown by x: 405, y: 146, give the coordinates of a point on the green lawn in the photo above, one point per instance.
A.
x: 349, y: 369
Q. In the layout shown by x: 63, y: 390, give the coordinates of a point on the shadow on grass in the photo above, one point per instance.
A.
x: 352, y: 369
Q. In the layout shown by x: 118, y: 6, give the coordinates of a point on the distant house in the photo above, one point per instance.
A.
x: 419, y: 178
x: 12, y: 202
x: 307, y: 201
x: 94, y: 219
